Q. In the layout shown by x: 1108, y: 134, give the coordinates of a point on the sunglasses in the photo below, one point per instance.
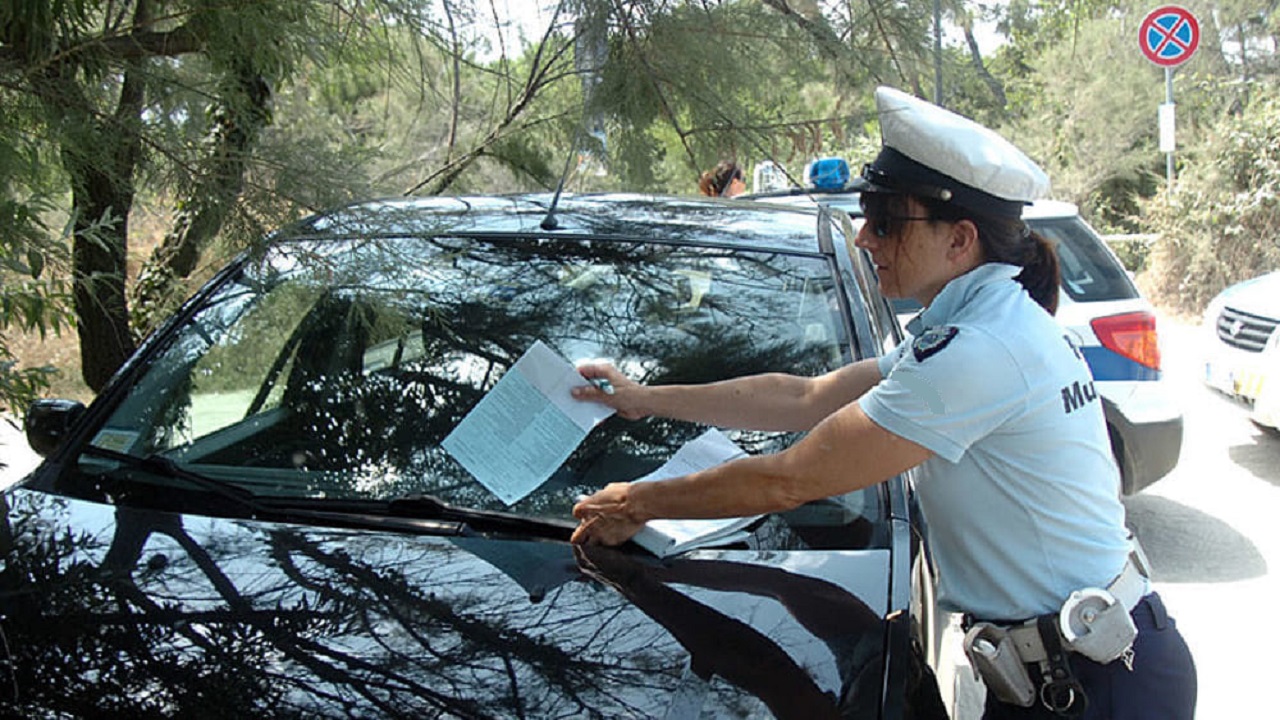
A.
x: 883, y: 222
x: 885, y: 225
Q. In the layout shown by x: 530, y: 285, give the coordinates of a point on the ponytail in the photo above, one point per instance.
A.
x: 1041, y: 274
x: 707, y: 184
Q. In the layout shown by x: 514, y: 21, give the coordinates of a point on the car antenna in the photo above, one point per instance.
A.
x: 587, y: 29
x: 549, y: 222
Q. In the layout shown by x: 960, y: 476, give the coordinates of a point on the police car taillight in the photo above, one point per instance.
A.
x: 1132, y: 335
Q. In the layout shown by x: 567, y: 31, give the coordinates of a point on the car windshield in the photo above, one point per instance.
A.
x: 334, y: 369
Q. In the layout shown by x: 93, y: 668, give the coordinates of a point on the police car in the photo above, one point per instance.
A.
x: 1099, y: 307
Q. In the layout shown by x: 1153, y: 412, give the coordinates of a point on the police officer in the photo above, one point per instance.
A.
x: 993, y: 404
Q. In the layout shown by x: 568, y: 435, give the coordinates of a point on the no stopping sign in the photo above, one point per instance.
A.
x: 1169, y: 35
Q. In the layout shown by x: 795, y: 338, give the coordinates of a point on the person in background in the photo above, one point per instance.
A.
x: 726, y: 179
x: 991, y: 403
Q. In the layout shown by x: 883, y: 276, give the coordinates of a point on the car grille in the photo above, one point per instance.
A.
x: 1245, y: 331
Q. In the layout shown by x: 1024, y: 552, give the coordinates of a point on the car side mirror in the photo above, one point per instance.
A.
x: 49, y: 421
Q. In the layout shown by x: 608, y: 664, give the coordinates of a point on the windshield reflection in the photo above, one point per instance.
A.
x: 334, y: 369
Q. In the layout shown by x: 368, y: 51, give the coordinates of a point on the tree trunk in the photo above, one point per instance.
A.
x: 101, y: 169
x: 975, y: 56
x: 98, y: 257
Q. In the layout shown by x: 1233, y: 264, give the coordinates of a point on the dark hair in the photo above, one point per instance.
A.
x: 1003, y: 239
x: 715, y: 182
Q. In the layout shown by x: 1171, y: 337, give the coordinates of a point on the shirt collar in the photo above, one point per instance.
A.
x: 957, y: 293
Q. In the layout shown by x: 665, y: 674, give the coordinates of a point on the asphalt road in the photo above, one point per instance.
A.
x: 1211, y: 529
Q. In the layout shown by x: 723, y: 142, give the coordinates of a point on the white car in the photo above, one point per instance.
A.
x: 1243, y: 356
x: 1099, y: 307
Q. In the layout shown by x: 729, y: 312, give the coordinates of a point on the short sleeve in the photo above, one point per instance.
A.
x: 891, y: 358
x: 952, y: 386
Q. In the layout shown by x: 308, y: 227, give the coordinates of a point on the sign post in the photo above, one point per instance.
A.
x: 1168, y: 37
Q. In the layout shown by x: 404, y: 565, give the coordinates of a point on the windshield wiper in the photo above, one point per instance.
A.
x: 421, y: 505
x: 419, y: 513
x: 363, y: 514
x: 164, y: 467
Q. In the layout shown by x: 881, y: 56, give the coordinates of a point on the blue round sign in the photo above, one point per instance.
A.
x: 1169, y: 35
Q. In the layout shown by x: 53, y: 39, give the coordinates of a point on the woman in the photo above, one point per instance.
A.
x: 989, y: 400
x: 726, y: 179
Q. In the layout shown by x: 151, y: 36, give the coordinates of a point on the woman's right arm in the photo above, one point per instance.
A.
x: 769, y: 401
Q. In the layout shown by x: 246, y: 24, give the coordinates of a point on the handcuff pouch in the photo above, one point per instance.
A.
x: 1095, y: 624
x: 994, y: 658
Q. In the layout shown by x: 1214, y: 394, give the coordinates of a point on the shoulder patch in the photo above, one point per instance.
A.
x: 932, y: 341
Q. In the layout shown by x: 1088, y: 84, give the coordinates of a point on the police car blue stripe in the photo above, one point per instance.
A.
x: 1109, y: 365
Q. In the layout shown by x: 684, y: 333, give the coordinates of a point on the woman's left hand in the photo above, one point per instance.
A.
x: 604, y: 516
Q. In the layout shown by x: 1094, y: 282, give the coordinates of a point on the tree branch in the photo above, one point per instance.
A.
x: 132, y: 46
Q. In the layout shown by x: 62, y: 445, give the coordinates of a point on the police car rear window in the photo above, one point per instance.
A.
x: 1090, y: 272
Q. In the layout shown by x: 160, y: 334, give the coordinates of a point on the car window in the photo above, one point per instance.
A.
x: 335, y: 370
x: 1090, y: 272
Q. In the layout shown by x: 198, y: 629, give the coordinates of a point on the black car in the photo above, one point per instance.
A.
x: 256, y: 517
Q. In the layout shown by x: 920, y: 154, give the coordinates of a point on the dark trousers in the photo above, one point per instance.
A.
x: 1161, y: 686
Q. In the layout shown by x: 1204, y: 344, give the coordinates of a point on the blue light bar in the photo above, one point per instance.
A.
x: 829, y: 173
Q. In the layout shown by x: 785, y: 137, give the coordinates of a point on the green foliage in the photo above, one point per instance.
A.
x: 1091, y: 121
x: 400, y: 96
x: 32, y: 302
x: 1033, y: 26
x: 36, y: 28
x: 1221, y: 223
x: 33, y: 293
x: 733, y: 80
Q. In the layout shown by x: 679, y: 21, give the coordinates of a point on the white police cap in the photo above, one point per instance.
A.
x: 932, y: 152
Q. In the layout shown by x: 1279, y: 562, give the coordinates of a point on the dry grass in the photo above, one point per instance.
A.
x: 58, y: 351
x: 148, y: 224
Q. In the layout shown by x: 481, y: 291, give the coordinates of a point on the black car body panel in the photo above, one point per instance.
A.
x: 142, y: 613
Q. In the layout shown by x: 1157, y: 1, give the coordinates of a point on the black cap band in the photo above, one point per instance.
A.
x: 893, y: 172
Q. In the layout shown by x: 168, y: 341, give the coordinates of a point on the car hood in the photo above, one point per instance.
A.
x: 155, y: 614
x: 1259, y: 296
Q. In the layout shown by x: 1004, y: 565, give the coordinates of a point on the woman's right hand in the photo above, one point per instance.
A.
x: 627, y: 394
x: 605, y: 518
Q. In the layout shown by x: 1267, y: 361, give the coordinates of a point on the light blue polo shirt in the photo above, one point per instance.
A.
x: 1021, y: 496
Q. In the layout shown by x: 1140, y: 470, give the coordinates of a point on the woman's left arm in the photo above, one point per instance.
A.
x: 845, y: 452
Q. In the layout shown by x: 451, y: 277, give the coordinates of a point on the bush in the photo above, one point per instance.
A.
x: 1221, y: 222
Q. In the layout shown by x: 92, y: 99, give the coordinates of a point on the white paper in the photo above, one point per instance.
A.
x: 668, y: 537
x: 526, y: 426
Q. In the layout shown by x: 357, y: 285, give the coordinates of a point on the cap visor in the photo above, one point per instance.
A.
x: 861, y: 184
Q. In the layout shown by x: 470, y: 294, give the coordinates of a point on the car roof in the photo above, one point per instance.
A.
x: 633, y: 216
